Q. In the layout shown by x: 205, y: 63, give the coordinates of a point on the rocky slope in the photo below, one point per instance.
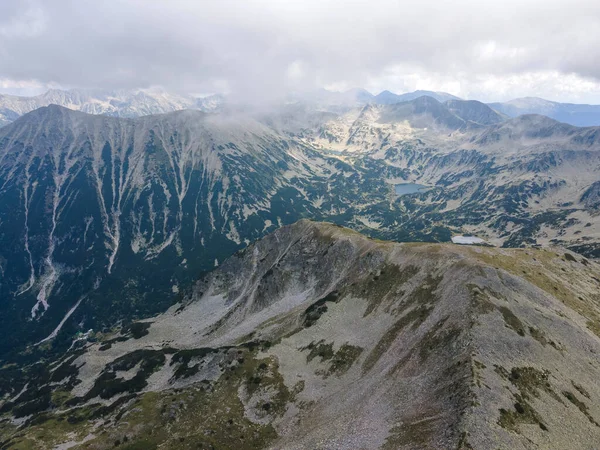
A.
x: 317, y: 337
x: 474, y: 111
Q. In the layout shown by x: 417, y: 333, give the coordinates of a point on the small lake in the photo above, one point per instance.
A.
x: 410, y: 188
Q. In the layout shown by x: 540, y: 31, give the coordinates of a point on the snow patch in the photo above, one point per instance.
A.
x: 467, y: 240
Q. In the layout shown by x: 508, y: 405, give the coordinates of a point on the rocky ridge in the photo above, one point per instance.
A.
x: 316, y: 336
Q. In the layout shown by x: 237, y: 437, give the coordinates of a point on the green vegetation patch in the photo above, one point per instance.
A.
x: 138, y: 329
x: 482, y: 303
x: 529, y: 381
x: 183, y: 357
x: 580, y: 389
x: 540, y: 269
x: 314, y: 312
x: 523, y: 413
x: 108, y: 384
x: 206, y: 414
x: 415, y: 317
x: 319, y: 349
x: 339, y: 362
x: 424, y: 294
x: 480, y: 300
x: 421, y: 300
x: 416, y: 434
x: 343, y: 359
x: 580, y: 405
x: 539, y: 336
x: 512, y: 321
x: 437, y: 338
x: 385, y: 283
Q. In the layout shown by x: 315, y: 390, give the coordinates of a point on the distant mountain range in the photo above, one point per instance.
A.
x: 359, y: 96
x: 123, y: 103
x: 574, y: 114
x: 136, y: 103
x: 388, y: 98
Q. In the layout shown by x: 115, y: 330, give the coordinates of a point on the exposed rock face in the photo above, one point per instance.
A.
x: 317, y: 337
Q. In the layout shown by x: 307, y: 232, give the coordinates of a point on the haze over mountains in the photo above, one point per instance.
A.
x: 122, y: 103
x: 574, y: 114
x: 136, y: 103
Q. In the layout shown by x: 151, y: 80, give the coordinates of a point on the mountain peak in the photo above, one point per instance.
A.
x: 474, y: 111
x: 426, y: 100
x: 423, y: 112
x: 47, y: 112
x: 440, y: 96
x: 387, y: 97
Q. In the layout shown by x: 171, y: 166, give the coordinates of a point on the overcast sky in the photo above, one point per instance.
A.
x: 489, y: 50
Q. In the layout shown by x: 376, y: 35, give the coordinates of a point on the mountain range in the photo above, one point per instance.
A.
x: 136, y: 103
x: 106, y: 219
x: 388, y: 98
x: 574, y: 114
x: 317, y: 337
x: 120, y: 103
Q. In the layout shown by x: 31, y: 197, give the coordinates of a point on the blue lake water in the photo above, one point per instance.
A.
x: 410, y: 188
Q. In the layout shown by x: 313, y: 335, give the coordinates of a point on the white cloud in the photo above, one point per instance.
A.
x: 29, y: 23
x: 489, y: 87
x: 262, y: 48
x: 22, y: 87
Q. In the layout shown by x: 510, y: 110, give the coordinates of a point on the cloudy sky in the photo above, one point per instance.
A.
x: 489, y: 50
